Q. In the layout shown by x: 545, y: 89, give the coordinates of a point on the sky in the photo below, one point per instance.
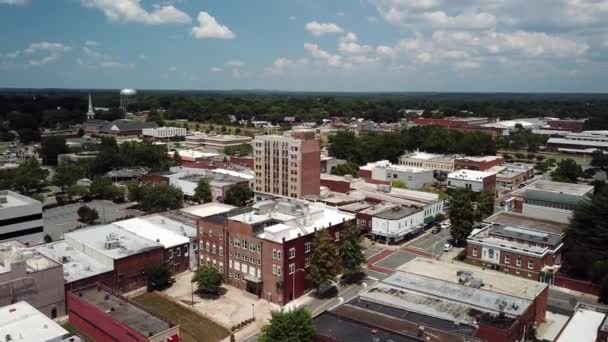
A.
x: 306, y: 45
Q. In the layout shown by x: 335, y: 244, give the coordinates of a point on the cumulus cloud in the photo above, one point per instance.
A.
x: 91, y: 43
x: 317, y: 53
x: 235, y: 63
x: 208, y: 27
x: 319, y: 29
x: 92, y: 59
x: 42, y: 53
x: 348, y: 45
x: 462, y: 21
x: 14, y: 2
x: 132, y: 11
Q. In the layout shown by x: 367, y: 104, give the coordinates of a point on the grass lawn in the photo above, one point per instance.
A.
x: 193, y: 327
x: 75, y: 331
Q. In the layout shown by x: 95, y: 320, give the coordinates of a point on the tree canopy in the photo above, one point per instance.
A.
x: 324, y: 262
x: 51, y: 147
x: 567, y: 171
x: 462, y: 215
x: 202, y: 192
x: 348, y: 168
x: 237, y: 195
x: 293, y: 325
x: 67, y: 174
x: 208, y: 279
x: 351, y: 252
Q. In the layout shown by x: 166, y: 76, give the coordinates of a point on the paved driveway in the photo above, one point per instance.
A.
x: 61, y: 220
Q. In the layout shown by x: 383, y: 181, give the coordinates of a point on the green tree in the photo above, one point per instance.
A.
x: 567, y: 171
x: 160, y: 197
x: 289, y: 326
x: 67, y: 175
x: 351, y: 252
x: 27, y: 176
x: 348, y: 168
x: 587, y: 237
x: 76, y: 190
x: 399, y: 184
x: 599, y: 159
x: 158, y: 277
x: 208, y: 280
x: 237, y: 195
x: 542, y: 166
x: 134, y: 191
x: 324, y: 261
x: 462, y: 215
x: 51, y: 147
x: 87, y: 215
x: 239, y: 150
x: 485, y: 205
x: 101, y: 187
x: 202, y: 193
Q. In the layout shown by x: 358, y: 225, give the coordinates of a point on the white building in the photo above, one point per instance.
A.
x: 20, y: 218
x: 589, y: 323
x: 215, y: 142
x: 437, y: 162
x: 397, y: 222
x: 475, y: 181
x: 585, y: 142
x: 164, y: 132
x: 413, y: 177
x: 21, y: 322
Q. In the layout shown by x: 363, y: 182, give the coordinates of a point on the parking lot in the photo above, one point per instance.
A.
x: 431, y: 243
x: 61, y: 220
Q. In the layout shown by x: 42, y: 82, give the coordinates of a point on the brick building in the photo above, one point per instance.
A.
x: 126, y: 253
x: 482, y: 163
x: 287, y: 166
x: 266, y: 249
x: 105, y: 316
x: 462, y: 124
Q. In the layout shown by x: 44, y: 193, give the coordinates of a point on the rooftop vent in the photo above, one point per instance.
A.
x: 3, y: 200
x: 112, y: 244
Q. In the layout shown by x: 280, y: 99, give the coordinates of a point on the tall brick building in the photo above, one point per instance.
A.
x: 289, y: 165
x: 266, y: 249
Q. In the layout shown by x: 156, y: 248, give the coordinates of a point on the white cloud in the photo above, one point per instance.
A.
x: 42, y: 53
x: 132, y: 11
x: 282, y: 65
x: 94, y: 60
x: 348, y: 45
x: 293, y: 17
x: 14, y: 2
x: 473, y: 21
x: 385, y: 51
x: 91, y: 43
x: 235, y: 63
x: 319, y: 29
x: 208, y: 27
x: 320, y: 54
x: 215, y: 69
x: 340, y: 14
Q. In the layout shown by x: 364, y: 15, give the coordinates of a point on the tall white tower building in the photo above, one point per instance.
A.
x: 90, y: 113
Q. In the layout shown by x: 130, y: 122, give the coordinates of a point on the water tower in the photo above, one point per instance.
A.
x: 127, y: 98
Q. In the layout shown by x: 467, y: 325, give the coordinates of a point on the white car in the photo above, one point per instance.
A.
x: 445, y: 225
x: 447, y: 247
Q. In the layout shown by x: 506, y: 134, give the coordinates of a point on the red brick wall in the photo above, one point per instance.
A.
x: 177, y: 264
x: 310, y: 167
x: 243, y: 161
x: 97, y: 324
x: 130, y: 271
x: 367, y: 174
x: 568, y: 125
x: 106, y: 279
x: 576, y: 285
x: 337, y: 186
x: 155, y: 179
x: 489, y: 183
x: 468, y: 164
x: 364, y: 221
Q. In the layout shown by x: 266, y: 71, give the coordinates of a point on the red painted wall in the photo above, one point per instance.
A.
x: 129, y: 271
x: 576, y: 285
x: 337, y: 186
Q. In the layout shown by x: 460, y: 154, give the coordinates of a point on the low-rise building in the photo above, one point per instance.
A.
x: 20, y: 218
x: 589, y: 323
x: 266, y: 250
x: 105, y: 316
x: 548, y: 200
x: 431, y: 161
x: 215, y: 142
x: 193, y: 156
x: 27, y: 275
x: 164, y: 132
x: 476, y: 181
x: 123, y: 127
x: 480, y: 163
x: 580, y: 143
x: 93, y: 126
x: 514, y: 174
x: 414, y: 177
x: 126, y: 253
x: 396, y: 223
x: 21, y: 322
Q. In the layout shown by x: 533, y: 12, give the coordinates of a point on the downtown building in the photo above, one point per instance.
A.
x: 20, y: 218
x: 266, y: 249
x: 287, y: 166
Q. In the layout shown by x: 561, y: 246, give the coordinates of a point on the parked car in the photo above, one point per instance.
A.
x: 435, y: 230
x: 445, y: 224
x: 447, y: 247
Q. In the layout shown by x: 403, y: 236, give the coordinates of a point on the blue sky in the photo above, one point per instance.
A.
x: 318, y: 45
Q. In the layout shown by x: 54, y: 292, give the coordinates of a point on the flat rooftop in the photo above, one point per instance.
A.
x: 558, y: 188
x: 481, y: 158
x: 234, y: 173
x: 535, y: 236
x: 23, y: 323
x: 14, y: 251
x: 11, y: 199
x: 405, y: 168
x: 208, y: 209
x: 498, y: 282
x: 583, y: 325
x: 356, y: 207
x: 469, y: 175
x: 429, y: 156
x: 97, y: 236
x: 340, y: 328
x: 155, y: 230
x: 397, y: 212
x: 76, y: 265
x: 123, y: 311
x: 517, y: 220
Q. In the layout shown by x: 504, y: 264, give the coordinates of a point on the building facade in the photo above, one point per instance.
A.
x: 476, y: 181
x: 164, y: 132
x: 20, y: 218
x: 215, y: 142
x: 482, y: 163
x: 22, y: 322
x: 287, y: 166
x: 436, y: 162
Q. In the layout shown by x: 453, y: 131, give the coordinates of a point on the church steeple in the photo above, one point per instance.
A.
x: 90, y: 113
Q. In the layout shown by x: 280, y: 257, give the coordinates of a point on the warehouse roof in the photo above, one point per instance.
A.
x: 22, y: 322
x: 156, y: 230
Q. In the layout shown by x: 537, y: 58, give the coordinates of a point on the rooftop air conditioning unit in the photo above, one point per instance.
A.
x: 111, y: 244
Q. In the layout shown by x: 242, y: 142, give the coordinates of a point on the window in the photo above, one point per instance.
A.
x: 237, y: 242
x: 518, y: 261
x: 214, y: 249
x: 178, y: 252
x: 274, y: 269
x: 307, y: 247
x: 245, y: 244
x: 337, y: 236
x: 221, y: 235
x: 278, y: 270
x: 207, y: 246
x: 230, y: 253
x: 530, y: 264
x: 507, y: 259
x: 210, y: 233
x: 252, y: 246
x: 221, y: 267
x: 259, y: 262
x: 292, y: 268
x: 307, y: 262
x: 278, y: 255
x: 230, y: 241
x: 221, y: 251
x: 259, y: 248
x: 170, y: 254
x: 474, y: 251
x: 292, y: 252
x: 274, y: 254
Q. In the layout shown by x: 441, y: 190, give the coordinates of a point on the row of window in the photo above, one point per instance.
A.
x: 245, y: 244
x: 212, y: 262
x: 212, y: 248
x: 246, y: 258
x: 507, y: 258
x: 177, y: 251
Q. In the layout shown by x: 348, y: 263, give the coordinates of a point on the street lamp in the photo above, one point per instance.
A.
x: 253, y: 311
x: 293, y: 286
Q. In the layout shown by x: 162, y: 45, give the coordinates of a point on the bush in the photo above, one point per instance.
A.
x: 87, y: 215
